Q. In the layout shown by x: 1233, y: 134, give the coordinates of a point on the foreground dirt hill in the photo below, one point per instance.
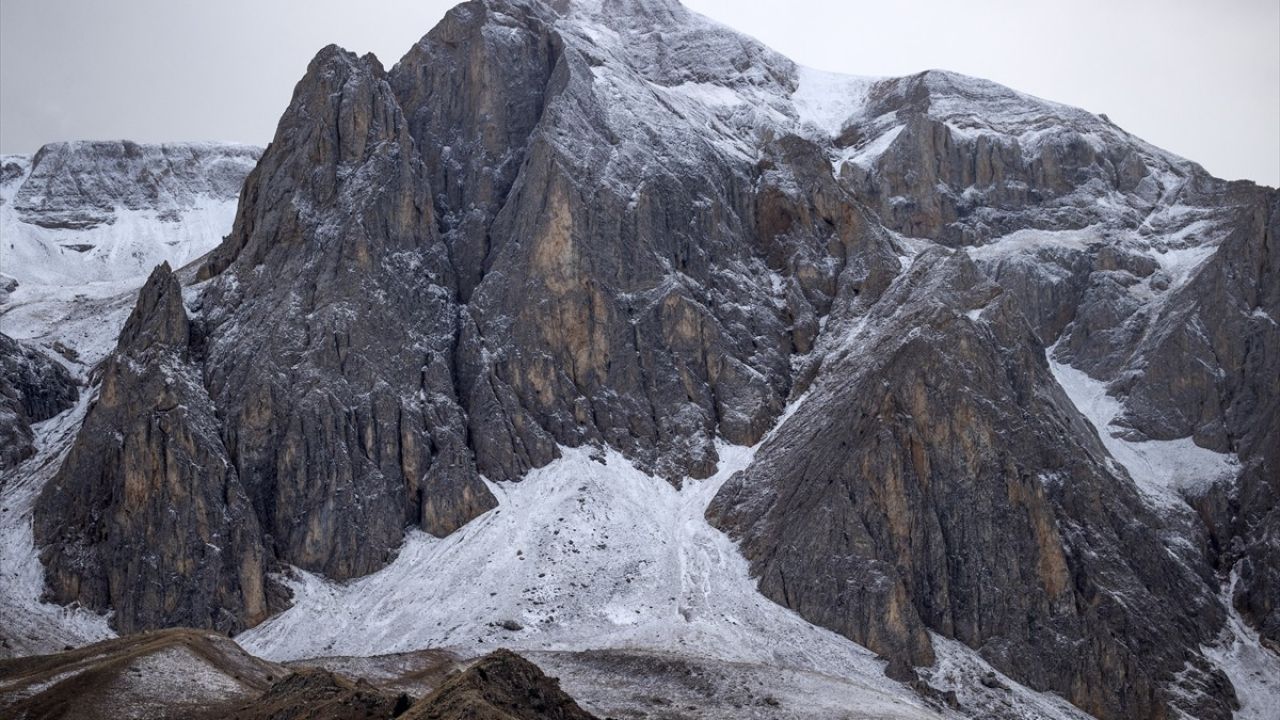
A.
x: 501, y: 686
x: 186, y: 674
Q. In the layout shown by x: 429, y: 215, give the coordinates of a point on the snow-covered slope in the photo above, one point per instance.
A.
x: 1162, y: 469
x: 31, y: 626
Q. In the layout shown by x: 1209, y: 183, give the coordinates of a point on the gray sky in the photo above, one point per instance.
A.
x: 1199, y: 78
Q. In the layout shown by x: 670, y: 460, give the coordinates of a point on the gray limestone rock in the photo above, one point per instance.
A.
x: 147, y: 516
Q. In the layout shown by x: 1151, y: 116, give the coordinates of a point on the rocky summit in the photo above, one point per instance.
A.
x: 595, y: 329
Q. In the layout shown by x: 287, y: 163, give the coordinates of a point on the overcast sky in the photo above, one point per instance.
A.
x: 1199, y: 78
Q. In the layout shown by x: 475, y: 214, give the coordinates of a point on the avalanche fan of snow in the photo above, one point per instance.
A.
x: 591, y: 553
x: 585, y: 552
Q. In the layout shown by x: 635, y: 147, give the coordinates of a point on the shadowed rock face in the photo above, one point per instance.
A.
x: 32, y: 388
x: 543, y: 227
x: 146, y: 515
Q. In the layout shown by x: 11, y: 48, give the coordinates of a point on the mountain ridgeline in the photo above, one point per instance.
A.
x: 615, y: 223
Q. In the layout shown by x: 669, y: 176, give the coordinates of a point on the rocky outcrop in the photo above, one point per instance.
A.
x: 500, y: 686
x: 32, y: 388
x: 147, y: 516
x: 316, y: 694
x: 934, y: 467
x: 969, y: 160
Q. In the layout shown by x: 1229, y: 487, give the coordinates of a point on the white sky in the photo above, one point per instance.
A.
x: 1199, y: 78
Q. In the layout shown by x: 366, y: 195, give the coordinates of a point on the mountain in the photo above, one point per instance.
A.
x: 595, y: 326
x: 81, y: 226
x: 105, y: 211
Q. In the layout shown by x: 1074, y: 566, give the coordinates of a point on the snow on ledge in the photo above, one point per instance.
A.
x: 1162, y: 469
x: 828, y: 100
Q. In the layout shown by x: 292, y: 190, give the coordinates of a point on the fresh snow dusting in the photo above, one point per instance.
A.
x: 177, y: 670
x: 828, y: 100
x: 1252, y: 668
x: 1162, y: 469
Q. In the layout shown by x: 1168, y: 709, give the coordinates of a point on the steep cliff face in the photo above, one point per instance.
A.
x: 344, y: 424
x: 33, y: 387
x: 147, y: 516
x: 618, y: 224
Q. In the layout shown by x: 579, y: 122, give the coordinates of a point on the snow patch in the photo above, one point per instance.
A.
x: 864, y: 156
x: 827, y: 101
x: 1029, y: 240
x: 1162, y: 469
